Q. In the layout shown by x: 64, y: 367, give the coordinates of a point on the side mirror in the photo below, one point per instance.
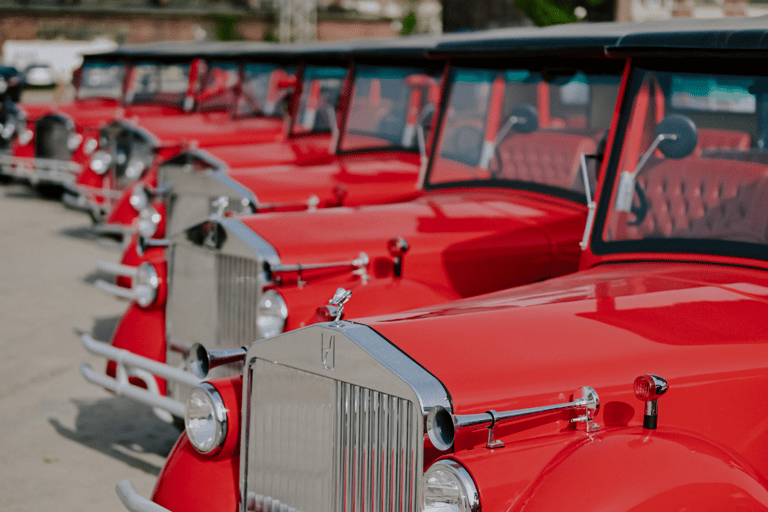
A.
x: 526, y: 118
x: 680, y: 138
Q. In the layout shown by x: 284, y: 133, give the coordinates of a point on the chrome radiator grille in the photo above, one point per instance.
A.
x: 51, y: 137
x: 213, y: 298
x: 237, y: 295
x: 322, y: 445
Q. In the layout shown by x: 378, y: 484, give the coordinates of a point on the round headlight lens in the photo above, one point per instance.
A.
x: 205, y: 418
x: 145, y: 284
x: 448, y: 487
x: 100, y: 162
x: 139, y: 198
x: 90, y: 145
x: 149, y: 219
x: 26, y: 137
x: 73, y: 141
x: 272, y: 313
x: 134, y: 168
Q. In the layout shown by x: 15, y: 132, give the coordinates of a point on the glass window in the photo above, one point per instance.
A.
x: 695, y: 170
x: 388, y: 106
x: 523, y: 128
x: 262, y: 94
x: 154, y: 82
x: 219, y: 89
x: 320, y: 93
x: 101, y: 80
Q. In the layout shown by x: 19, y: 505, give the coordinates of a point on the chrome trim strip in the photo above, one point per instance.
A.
x: 234, y: 185
x: 263, y: 249
x: 116, y: 268
x: 132, y: 365
x: 135, y: 502
x: 37, y: 169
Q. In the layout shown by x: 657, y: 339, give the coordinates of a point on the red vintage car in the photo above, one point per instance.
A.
x: 198, y: 85
x: 378, y: 152
x: 619, y: 387
x: 253, y: 131
x: 59, y: 139
x: 504, y: 203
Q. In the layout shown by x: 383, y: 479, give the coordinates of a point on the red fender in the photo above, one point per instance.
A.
x: 142, y: 331
x: 132, y: 258
x: 123, y: 213
x: 192, y: 481
x: 630, y: 469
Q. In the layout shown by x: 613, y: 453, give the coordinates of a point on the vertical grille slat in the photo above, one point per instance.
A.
x: 323, y: 445
x: 238, y: 290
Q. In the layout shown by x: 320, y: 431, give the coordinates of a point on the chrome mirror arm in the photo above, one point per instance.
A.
x: 626, y: 190
x: 334, y: 122
x: 591, y: 206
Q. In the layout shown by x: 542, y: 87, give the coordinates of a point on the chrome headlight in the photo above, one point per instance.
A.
x: 448, y: 487
x: 100, y: 162
x: 134, y: 168
x: 25, y: 137
x: 139, y: 198
x: 149, y: 219
x: 90, y: 145
x: 205, y: 418
x: 272, y: 313
x: 7, y: 130
x: 73, y: 141
x: 145, y: 284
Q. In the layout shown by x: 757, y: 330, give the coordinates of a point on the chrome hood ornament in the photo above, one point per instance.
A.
x: 337, y: 302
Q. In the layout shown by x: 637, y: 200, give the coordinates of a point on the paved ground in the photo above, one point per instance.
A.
x: 64, y: 443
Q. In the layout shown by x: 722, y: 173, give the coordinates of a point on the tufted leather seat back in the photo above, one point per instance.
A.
x: 680, y: 193
x: 547, y: 158
x: 711, y: 139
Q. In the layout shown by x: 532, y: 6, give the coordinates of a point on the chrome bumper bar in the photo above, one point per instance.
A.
x: 39, y: 170
x: 135, y: 502
x: 116, y: 270
x: 113, y: 289
x: 132, y: 365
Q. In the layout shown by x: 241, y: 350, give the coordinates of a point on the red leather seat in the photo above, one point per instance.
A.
x: 711, y: 139
x: 681, y: 192
x: 548, y: 158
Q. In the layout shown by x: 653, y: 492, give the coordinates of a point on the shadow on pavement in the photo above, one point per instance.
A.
x: 122, y: 429
x: 103, y: 328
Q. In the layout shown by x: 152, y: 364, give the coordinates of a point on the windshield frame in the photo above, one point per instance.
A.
x: 289, y: 67
x: 664, y: 248
x: 587, y: 63
x: 434, y: 67
x: 295, y: 103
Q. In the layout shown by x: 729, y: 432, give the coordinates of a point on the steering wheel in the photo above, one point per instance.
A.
x: 639, y: 210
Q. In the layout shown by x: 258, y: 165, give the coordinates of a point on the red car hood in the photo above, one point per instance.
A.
x: 212, y: 128
x: 367, y: 178
x: 94, y: 113
x: 307, y: 149
x: 690, y: 323
x: 471, y: 241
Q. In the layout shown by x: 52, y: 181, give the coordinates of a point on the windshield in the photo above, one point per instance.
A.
x: 263, y: 94
x: 153, y: 82
x: 101, y: 79
x: 320, y: 93
x: 387, y: 106
x: 220, y: 87
x: 695, y: 165
x: 523, y: 128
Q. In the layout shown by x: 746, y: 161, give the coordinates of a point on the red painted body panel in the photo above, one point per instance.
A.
x: 190, y: 480
x: 303, y: 150
x: 365, y: 178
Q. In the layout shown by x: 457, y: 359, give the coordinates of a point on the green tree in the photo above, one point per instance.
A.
x: 547, y: 12
x: 409, y: 24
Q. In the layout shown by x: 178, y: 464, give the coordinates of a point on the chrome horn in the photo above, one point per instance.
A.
x: 442, y: 426
x: 201, y: 361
